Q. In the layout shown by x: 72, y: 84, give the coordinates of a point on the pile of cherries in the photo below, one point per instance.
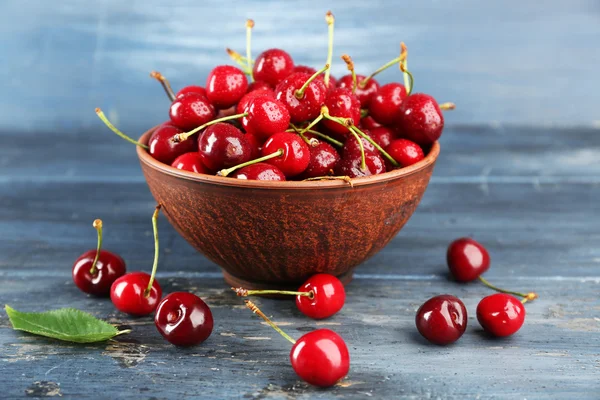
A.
x: 271, y: 119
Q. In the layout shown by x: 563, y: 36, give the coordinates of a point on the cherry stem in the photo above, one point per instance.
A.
x: 313, y: 123
x: 241, y: 292
x: 156, y: 250
x: 329, y: 18
x: 311, y: 142
x: 348, y: 124
x: 240, y: 60
x: 123, y: 332
x: 378, y: 147
x: 249, y: 26
x: 225, y: 172
x: 350, y: 65
x: 98, y: 225
x: 447, y: 106
x: 344, y: 178
x: 363, y: 113
x: 328, y: 138
x: 410, y: 81
x: 363, y: 83
x: 118, y: 132
x: 404, y: 67
x: 300, y: 92
x: 526, y: 296
x: 257, y: 311
x: 165, y: 84
x: 180, y: 137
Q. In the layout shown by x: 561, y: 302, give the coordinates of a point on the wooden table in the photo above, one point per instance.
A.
x: 530, y: 195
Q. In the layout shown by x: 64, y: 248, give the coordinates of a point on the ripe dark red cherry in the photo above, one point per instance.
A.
x: 190, y: 162
x: 467, y: 259
x: 223, y: 145
x: 258, y: 85
x: 260, y: 172
x: 248, y: 97
x: 164, y: 149
x: 272, y: 66
x: 343, y: 104
x: 127, y: 294
x: 305, y: 69
x: 323, y: 161
x: 255, y: 145
x: 266, y: 116
x: 191, y: 110
x: 501, y: 314
x: 442, y: 319
x: 225, y: 86
x: 183, y: 319
x: 369, y: 123
x: 420, y: 119
x: 309, y: 106
x: 365, y: 94
x: 296, y: 153
x: 381, y: 135
x: 191, y: 89
x: 320, y: 358
x: 405, y: 152
x: 328, y: 296
x: 385, y: 104
x: 350, y: 165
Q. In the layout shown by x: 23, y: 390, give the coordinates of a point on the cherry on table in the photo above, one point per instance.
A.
x: 183, y: 319
x: 265, y: 117
x: 420, y: 119
x: 272, y: 66
x: 341, y: 103
x: 501, y: 314
x: 129, y: 295
x: 323, y: 161
x: 223, y: 145
x: 190, y: 162
x: 467, y: 259
x: 225, y: 86
x: 364, y: 92
x: 191, y: 110
x: 405, y: 152
x: 442, y: 319
x: 385, y: 104
x: 303, y: 95
x: 95, y: 270
x: 191, y: 89
x: 260, y: 172
x: 164, y: 149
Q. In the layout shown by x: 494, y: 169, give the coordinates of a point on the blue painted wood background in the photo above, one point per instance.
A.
x: 519, y: 170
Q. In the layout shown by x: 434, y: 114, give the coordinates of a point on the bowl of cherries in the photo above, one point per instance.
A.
x: 278, y: 171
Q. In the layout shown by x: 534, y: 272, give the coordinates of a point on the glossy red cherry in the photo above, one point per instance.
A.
x: 223, y: 145
x: 258, y: 85
x: 305, y: 69
x: 467, y: 259
x: 352, y: 148
x: 260, y: 172
x: 365, y: 94
x: 127, y: 294
x: 225, y: 86
x: 164, y: 149
x: 327, y: 296
x: 191, y: 89
x: 191, y: 110
x: 266, y: 116
x: 350, y: 165
x: 308, y: 106
x: 296, y: 153
x: 323, y: 161
x: 369, y: 123
x: 341, y: 103
x: 405, y: 152
x: 255, y: 145
x: 183, y: 319
x: 501, y: 314
x: 272, y: 66
x: 320, y: 358
x: 382, y: 135
x: 385, y: 104
x: 442, y: 319
x: 190, y: 162
x: 420, y: 119
x: 248, y: 97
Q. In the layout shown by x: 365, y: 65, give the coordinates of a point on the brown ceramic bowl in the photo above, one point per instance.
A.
x: 277, y: 234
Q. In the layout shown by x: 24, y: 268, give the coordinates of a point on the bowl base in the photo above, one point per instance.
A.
x: 234, y: 281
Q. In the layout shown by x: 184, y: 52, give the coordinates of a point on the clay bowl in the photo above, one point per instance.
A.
x: 277, y: 234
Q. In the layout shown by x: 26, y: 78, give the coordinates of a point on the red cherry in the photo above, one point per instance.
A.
x: 342, y: 104
x: 328, y: 296
x: 381, y: 135
x: 265, y: 117
x: 467, y: 259
x: 248, y: 97
x: 191, y: 89
x: 190, y: 162
x: 190, y: 111
x: 442, y: 319
x: 272, y: 66
x: 369, y: 123
x: 255, y: 145
x: 164, y: 149
x: 183, y: 319
x: 501, y: 314
x: 127, y: 294
x: 296, y: 153
x: 323, y: 161
x: 225, y: 86
x: 223, y: 145
x: 320, y: 358
x: 307, y: 107
x: 351, y: 165
x: 109, y: 267
x: 385, y: 104
x: 420, y: 119
x: 365, y: 94
x: 304, y: 69
x: 260, y: 172
x: 258, y: 85
x: 405, y: 152
x: 352, y: 148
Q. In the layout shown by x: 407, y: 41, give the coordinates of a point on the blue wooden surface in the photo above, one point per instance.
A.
x: 529, y: 193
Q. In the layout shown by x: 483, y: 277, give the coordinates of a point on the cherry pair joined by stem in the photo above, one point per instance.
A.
x: 183, y: 319
x: 95, y: 270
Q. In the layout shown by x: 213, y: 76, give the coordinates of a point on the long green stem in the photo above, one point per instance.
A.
x: 98, y: 225
x: 330, y: 27
x: 313, y: 123
x: 156, y: 250
x: 118, y: 132
x: 348, y: 124
x: 378, y: 147
x: 257, y: 311
x: 300, y: 92
x: 363, y: 83
x: 180, y: 137
x: 447, y: 106
x: 526, y: 296
x: 408, y: 80
x: 350, y: 65
x: 249, y: 26
x: 240, y: 60
x: 164, y: 83
x: 328, y: 138
x: 245, y: 292
x: 225, y: 172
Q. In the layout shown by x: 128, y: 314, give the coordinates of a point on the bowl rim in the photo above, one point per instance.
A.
x: 394, y: 175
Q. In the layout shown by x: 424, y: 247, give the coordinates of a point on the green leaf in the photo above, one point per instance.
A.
x: 66, y: 324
